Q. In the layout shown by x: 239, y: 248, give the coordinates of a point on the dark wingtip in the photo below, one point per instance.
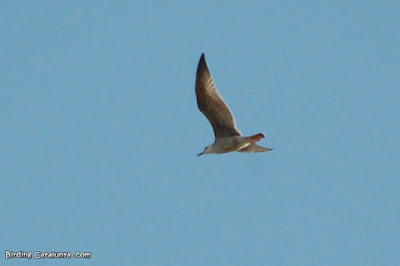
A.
x: 202, y: 66
x: 202, y: 58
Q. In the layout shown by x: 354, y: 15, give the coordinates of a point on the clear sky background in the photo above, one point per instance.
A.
x: 100, y: 132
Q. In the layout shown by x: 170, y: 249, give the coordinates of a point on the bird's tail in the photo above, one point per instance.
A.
x: 253, y: 147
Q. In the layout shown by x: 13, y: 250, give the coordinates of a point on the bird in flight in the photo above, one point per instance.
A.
x: 227, y: 137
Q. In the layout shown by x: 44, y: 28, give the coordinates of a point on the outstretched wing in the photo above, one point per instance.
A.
x: 212, y: 105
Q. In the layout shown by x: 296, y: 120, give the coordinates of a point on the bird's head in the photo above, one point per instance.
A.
x: 207, y: 150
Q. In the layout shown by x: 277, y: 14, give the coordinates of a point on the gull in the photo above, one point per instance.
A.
x: 227, y: 137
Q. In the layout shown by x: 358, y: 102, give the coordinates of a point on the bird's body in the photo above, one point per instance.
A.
x: 227, y: 137
x: 229, y: 144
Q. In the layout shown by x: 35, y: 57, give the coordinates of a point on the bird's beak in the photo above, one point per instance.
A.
x: 201, y: 153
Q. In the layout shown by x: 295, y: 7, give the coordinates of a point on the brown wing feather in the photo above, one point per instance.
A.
x: 212, y: 105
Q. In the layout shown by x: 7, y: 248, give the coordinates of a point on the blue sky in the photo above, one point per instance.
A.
x: 100, y: 132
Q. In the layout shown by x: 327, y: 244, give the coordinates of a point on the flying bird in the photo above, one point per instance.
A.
x: 227, y: 137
